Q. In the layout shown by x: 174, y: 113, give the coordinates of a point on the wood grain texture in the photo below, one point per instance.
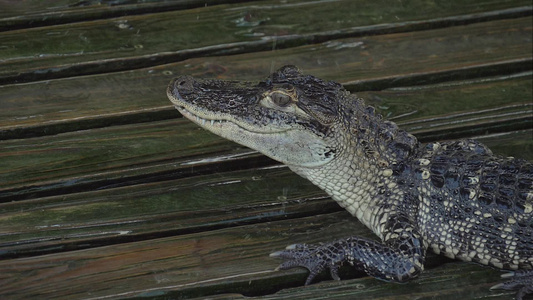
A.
x: 471, y: 51
x: 36, y: 13
x: 154, y: 151
x: 204, y: 264
x: 145, y: 40
x: 107, y: 193
x: 114, y: 215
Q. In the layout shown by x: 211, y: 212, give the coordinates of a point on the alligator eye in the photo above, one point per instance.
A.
x: 280, y: 99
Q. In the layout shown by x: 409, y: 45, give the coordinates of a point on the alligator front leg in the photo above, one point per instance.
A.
x: 398, y: 259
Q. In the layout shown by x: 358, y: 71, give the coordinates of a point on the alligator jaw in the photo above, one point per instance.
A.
x: 220, y: 124
x: 210, y: 124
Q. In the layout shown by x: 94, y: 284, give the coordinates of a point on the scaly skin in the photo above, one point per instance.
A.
x: 454, y: 198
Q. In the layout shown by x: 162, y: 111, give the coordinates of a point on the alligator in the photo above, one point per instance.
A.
x: 455, y: 198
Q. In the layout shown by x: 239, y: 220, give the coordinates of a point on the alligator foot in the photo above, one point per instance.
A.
x: 313, y: 258
x: 519, y: 280
x: 399, y: 260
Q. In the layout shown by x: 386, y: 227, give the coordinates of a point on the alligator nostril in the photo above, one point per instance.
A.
x: 184, y: 85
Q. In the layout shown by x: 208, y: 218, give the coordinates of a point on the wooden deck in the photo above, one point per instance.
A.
x: 106, y: 192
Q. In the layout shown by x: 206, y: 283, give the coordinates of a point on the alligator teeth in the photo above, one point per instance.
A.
x: 212, y: 122
x: 203, y: 122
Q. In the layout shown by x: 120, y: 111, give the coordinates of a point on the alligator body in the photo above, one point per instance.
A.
x: 453, y: 198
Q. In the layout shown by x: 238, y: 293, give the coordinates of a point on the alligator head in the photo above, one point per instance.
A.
x: 290, y: 117
x: 315, y: 127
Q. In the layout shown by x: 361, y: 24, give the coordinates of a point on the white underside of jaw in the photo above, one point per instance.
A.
x: 292, y: 146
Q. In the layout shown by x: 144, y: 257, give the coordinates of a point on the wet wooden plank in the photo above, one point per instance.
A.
x: 232, y: 260
x: 150, y: 210
x: 131, y: 154
x: 448, y: 281
x: 162, y: 262
x: 176, y: 207
x: 35, y: 13
x: 476, y: 50
x: 173, y: 236
x: 145, y: 152
x: 31, y: 13
x: 444, y: 111
x: 146, y: 40
x: 105, y: 151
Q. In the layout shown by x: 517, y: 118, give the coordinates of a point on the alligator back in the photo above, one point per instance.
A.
x: 476, y: 206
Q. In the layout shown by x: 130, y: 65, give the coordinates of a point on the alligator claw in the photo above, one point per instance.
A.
x: 519, y: 280
x: 334, y: 272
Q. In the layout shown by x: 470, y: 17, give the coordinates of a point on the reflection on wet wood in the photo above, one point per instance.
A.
x: 359, y: 62
x: 144, y: 152
x: 16, y: 14
x: 105, y: 192
x: 111, y: 215
x: 145, y: 40
x: 199, y: 264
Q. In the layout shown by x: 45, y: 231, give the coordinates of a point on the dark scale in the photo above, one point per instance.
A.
x: 454, y: 198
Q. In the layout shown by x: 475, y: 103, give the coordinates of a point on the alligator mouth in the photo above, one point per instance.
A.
x: 221, y: 124
x: 204, y: 122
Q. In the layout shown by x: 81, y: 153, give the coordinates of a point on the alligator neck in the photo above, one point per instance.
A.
x: 381, y: 141
x: 372, y: 149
